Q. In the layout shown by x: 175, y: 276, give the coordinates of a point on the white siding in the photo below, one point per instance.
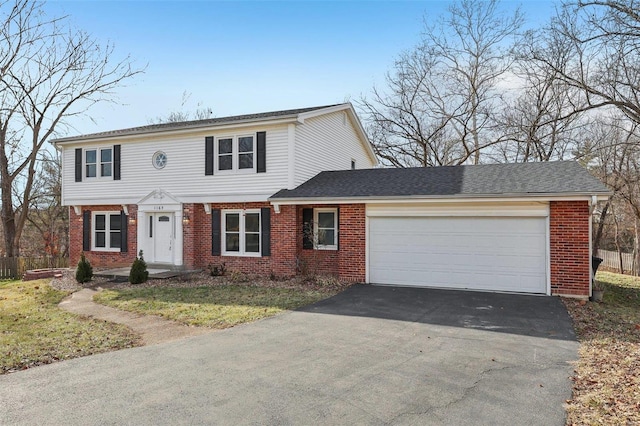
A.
x: 328, y: 142
x: 183, y: 176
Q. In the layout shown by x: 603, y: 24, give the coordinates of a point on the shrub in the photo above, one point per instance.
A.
x: 217, y: 270
x: 84, y: 271
x: 138, y: 273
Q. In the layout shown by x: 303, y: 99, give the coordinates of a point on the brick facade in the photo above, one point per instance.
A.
x: 569, y: 244
x: 569, y: 248
x: 105, y: 259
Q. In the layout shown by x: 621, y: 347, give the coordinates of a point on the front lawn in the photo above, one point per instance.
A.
x: 34, y: 331
x: 606, y: 386
x: 219, y: 306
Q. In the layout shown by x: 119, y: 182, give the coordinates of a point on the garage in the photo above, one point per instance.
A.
x: 496, y: 253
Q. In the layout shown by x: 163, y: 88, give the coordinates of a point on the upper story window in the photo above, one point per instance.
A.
x: 241, y: 232
x: 236, y: 153
x: 98, y: 162
x: 106, y: 231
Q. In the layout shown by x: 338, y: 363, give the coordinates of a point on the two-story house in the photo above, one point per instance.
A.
x: 273, y: 193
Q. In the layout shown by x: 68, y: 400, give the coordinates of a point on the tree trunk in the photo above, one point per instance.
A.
x: 616, y: 239
x: 7, y: 216
x: 636, y: 258
x: 598, y: 237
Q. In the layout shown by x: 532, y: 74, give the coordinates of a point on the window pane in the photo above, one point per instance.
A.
x: 232, y: 222
x: 105, y: 169
x: 91, y: 170
x: 225, y: 146
x: 105, y: 155
x: 90, y: 156
x: 252, y: 222
x: 245, y: 144
x: 326, y: 237
x: 225, y: 162
x: 233, y: 242
x: 252, y: 243
x: 100, y: 239
x: 245, y: 161
x: 100, y: 222
x: 114, y: 242
x: 326, y: 220
x: 114, y: 222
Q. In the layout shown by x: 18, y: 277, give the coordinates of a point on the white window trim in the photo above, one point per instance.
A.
x: 235, y: 155
x: 317, y: 246
x: 223, y: 234
x: 107, y: 231
x: 98, y: 163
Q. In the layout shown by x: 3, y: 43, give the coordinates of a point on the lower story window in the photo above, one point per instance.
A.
x: 241, y: 232
x: 106, y: 231
x: 325, y: 223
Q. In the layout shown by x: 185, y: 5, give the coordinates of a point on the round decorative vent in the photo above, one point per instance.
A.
x: 159, y: 160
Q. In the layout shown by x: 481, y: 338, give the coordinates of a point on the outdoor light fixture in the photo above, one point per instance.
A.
x: 132, y: 220
x: 185, y: 216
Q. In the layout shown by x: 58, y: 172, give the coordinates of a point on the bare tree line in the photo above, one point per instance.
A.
x: 49, y: 73
x: 479, y: 88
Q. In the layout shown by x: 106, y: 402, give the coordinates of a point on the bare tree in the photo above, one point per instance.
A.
x: 539, y: 123
x: 49, y: 72
x: 604, y: 61
x: 441, y: 98
x: 46, y: 233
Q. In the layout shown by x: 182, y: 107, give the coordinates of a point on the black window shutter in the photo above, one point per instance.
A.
x: 215, y: 232
x: 86, y: 230
x: 124, y: 231
x: 265, y: 226
x: 208, y: 156
x: 78, y: 164
x: 307, y: 228
x: 261, y: 148
x: 338, y: 228
x: 116, y: 162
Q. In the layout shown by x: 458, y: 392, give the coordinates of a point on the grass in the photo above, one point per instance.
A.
x: 219, y: 307
x: 606, y: 386
x: 34, y: 331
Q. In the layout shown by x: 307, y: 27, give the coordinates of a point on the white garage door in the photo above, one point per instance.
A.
x: 483, y: 253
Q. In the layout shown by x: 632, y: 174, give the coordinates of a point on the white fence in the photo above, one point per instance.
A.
x: 611, y: 259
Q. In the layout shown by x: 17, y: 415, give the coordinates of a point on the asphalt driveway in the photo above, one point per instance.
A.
x: 371, y: 355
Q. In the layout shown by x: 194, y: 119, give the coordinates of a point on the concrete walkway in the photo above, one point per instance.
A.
x: 153, y: 329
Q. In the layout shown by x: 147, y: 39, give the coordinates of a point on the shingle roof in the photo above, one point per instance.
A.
x: 561, y: 177
x: 195, y: 123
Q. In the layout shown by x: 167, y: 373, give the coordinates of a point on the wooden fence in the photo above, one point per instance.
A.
x: 611, y: 260
x: 15, y: 267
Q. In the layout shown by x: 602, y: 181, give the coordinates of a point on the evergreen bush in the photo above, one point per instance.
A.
x: 138, y: 273
x: 84, y: 271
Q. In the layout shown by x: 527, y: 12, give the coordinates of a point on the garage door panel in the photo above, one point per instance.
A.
x: 507, y: 254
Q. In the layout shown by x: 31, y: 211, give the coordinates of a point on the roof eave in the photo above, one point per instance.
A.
x: 176, y: 130
x: 418, y: 198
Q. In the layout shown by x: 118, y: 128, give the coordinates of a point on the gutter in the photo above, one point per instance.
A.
x: 538, y: 197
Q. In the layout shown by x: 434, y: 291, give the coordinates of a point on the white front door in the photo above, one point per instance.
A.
x: 161, y: 235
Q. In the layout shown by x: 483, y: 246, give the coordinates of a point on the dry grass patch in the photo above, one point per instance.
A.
x: 606, y: 386
x: 34, y: 331
x: 219, y: 302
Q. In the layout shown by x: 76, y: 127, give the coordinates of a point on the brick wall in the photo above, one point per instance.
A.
x: 569, y: 248
x: 282, y: 261
x: 348, y: 262
x: 101, y: 258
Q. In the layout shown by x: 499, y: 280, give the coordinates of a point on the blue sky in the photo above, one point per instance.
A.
x: 243, y: 57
